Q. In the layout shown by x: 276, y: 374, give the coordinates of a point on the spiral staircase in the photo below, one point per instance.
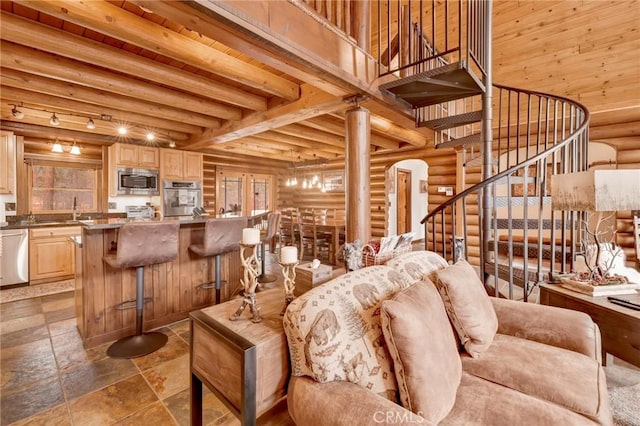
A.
x: 517, y: 139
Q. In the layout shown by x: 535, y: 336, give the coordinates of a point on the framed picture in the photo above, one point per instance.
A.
x: 333, y: 181
x: 423, y: 186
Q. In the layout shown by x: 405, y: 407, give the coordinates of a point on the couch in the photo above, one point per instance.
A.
x: 404, y: 343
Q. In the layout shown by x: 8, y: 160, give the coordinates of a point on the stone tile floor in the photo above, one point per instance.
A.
x: 47, y: 377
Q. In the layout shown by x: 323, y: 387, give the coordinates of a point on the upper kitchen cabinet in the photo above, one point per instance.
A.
x: 7, y: 163
x: 126, y: 155
x: 180, y: 165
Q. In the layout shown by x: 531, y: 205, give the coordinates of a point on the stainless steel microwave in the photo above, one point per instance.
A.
x: 137, y: 181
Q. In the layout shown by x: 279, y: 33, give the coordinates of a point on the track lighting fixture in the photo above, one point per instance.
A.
x: 17, y: 113
x: 54, y: 120
x: 151, y: 134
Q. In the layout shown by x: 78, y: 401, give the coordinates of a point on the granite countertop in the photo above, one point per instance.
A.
x: 117, y: 222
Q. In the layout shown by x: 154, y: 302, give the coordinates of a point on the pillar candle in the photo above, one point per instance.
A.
x: 250, y: 236
x: 288, y: 255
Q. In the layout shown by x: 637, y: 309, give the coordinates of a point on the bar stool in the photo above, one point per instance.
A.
x: 141, y: 244
x: 221, y: 235
x: 273, y: 226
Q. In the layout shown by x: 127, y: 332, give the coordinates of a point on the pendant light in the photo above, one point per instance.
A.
x: 75, y: 149
x: 91, y: 125
x: 57, y: 147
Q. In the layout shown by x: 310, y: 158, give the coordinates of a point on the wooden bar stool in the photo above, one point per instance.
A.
x: 141, y: 244
x: 221, y: 235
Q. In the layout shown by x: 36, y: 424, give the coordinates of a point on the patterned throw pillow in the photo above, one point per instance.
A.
x: 419, y: 264
x: 334, y: 330
x: 468, y: 307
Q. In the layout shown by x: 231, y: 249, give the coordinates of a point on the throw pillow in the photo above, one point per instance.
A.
x: 334, y: 332
x: 468, y: 307
x: 424, y: 350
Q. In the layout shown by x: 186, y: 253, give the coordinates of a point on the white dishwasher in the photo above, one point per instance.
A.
x: 14, y: 256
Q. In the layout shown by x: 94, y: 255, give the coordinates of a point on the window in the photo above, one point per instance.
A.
x: 243, y: 194
x: 54, y: 188
x: 261, y: 199
x: 231, y: 194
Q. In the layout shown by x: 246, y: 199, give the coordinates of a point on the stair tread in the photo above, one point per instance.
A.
x: 518, y: 273
x: 431, y: 87
x: 473, y: 139
x: 453, y: 121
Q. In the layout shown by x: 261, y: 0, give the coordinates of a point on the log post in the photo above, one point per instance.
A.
x: 358, y: 194
x: 362, y: 24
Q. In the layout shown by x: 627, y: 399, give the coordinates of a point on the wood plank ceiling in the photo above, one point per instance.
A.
x: 117, y: 63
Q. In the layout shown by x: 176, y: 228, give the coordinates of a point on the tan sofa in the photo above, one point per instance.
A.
x: 540, y: 368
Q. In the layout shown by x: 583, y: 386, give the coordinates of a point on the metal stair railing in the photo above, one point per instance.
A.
x: 535, y: 135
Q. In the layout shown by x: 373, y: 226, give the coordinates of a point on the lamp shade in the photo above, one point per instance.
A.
x: 596, y: 190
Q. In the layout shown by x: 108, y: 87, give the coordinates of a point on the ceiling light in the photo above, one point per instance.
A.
x: 122, y: 130
x: 75, y: 150
x: 57, y: 147
x: 172, y: 143
x: 54, y: 120
x: 150, y: 136
x: 17, y: 113
x: 91, y: 125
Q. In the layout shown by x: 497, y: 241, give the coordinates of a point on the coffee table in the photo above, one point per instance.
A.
x: 619, y: 326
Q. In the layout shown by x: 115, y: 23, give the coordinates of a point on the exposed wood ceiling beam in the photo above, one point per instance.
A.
x: 336, y: 126
x: 26, y: 81
x: 55, y: 103
x: 287, y: 149
x: 313, y: 134
x: 53, y: 66
x: 109, y: 19
x: 297, y: 143
x: 186, y: 15
x: 29, y: 33
x: 311, y: 103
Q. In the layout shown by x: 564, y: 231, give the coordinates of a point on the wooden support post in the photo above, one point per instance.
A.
x: 358, y: 194
x: 362, y: 24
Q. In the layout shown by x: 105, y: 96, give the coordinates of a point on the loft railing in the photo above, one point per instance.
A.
x: 454, y: 31
x: 535, y: 135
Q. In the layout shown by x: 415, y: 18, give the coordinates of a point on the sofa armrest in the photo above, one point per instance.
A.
x: 554, y: 326
x: 343, y: 404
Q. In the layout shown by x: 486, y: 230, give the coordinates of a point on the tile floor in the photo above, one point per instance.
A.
x: 47, y: 377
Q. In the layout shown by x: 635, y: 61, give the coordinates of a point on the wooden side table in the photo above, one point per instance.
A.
x: 245, y: 364
x: 619, y: 326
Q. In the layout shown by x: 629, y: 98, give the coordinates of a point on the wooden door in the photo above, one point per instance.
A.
x: 403, y: 204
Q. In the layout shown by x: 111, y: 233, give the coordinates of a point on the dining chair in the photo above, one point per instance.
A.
x: 310, y: 239
x: 287, y: 227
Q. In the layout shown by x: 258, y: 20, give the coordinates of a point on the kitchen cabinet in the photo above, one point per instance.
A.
x: 7, y: 162
x: 51, y: 254
x: 180, y: 165
x: 126, y: 155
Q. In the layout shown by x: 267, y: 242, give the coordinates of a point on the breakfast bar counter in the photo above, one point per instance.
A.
x: 172, y: 287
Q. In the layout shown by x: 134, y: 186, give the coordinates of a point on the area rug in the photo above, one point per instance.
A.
x: 625, y: 405
x: 27, y: 292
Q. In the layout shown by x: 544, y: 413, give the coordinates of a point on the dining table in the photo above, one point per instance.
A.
x: 334, y: 227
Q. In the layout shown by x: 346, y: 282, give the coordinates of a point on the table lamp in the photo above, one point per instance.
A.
x: 597, y: 190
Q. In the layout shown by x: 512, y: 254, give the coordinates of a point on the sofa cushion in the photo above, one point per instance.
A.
x: 468, y: 306
x: 549, y: 373
x: 480, y: 402
x: 424, y: 350
x: 334, y: 333
x: 418, y: 264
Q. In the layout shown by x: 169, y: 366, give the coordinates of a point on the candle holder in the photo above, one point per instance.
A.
x: 249, y: 283
x: 289, y: 273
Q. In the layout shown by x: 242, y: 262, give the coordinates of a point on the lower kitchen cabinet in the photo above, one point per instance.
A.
x: 51, y: 254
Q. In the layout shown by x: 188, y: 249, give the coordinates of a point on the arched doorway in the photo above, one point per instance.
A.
x: 405, y: 187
